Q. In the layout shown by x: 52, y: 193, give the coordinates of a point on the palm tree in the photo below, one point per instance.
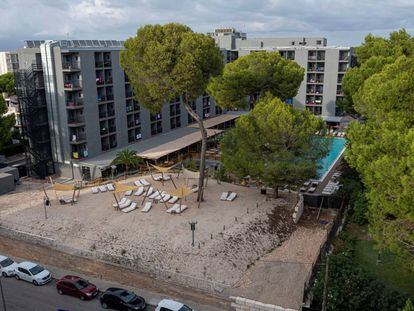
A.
x: 128, y: 158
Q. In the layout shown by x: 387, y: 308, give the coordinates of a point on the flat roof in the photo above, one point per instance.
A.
x: 214, y: 121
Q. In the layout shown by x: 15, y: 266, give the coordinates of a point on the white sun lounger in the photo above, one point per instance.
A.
x: 123, y: 200
x: 149, y: 192
x: 138, y: 183
x: 194, y: 190
x: 129, y: 208
x: 165, y: 197
x: 95, y: 190
x: 128, y: 192
x: 155, y: 194
x: 312, y: 189
x: 102, y: 188
x: 146, y: 207
x: 144, y: 182
x: 110, y: 187
x: 232, y: 196
x: 140, y: 191
x: 224, y: 196
x: 173, y: 200
x: 157, y: 178
x: 125, y: 204
x: 307, y: 183
x: 160, y: 195
x: 167, y: 177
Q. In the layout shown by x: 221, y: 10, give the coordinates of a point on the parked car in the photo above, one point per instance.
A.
x: 7, y: 266
x: 121, y: 299
x: 172, y: 305
x: 77, y: 287
x: 33, y: 273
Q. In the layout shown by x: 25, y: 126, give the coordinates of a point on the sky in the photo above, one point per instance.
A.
x: 344, y: 22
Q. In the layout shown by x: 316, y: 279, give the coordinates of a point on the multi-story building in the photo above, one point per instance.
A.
x: 8, y: 62
x: 90, y: 106
x: 324, y: 66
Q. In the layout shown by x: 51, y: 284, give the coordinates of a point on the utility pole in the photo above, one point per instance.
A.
x: 192, y: 226
x: 2, y: 295
x: 325, y: 285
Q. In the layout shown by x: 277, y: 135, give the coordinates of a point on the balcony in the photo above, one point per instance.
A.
x: 108, y: 80
x: 111, y: 112
x: 109, y: 97
x: 104, y: 131
x: 74, y: 104
x: 98, y: 64
x: 129, y: 109
x: 105, y: 147
x: 71, y: 67
x: 72, y: 86
x: 100, y: 81
x: 77, y: 139
x: 131, y: 123
x: 76, y: 121
x: 101, y: 98
x: 128, y: 94
x: 113, y: 145
x: 102, y: 114
x: 112, y: 129
x: 312, y: 57
x: 107, y: 63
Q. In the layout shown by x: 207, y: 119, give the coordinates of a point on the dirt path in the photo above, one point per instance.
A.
x: 97, y: 269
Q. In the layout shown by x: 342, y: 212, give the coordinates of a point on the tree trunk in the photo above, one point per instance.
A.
x: 276, y: 191
x: 203, y: 131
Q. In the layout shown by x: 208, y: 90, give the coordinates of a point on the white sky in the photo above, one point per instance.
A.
x: 343, y: 22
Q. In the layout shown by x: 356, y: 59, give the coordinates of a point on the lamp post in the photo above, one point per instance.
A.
x: 192, y: 226
x: 46, y: 203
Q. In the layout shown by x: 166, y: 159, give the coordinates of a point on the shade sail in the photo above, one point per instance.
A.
x: 162, y: 169
x: 62, y: 187
x: 175, y: 145
x: 181, y: 192
x: 122, y: 188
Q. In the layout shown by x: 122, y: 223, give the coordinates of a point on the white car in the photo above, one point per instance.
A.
x: 32, y: 273
x: 171, y: 305
x: 7, y: 266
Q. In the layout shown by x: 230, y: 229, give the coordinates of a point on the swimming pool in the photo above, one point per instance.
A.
x: 336, y: 146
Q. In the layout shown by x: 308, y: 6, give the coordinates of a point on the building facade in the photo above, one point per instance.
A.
x: 325, y: 66
x: 90, y: 104
x: 8, y: 62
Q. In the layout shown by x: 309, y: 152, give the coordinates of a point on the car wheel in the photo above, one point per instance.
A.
x: 60, y: 292
x: 17, y: 277
x: 35, y: 282
x: 82, y: 298
x: 104, y: 305
x: 4, y: 274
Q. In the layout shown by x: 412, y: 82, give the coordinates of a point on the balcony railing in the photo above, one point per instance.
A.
x: 78, y: 138
x: 71, y: 66
x: 108, y: 81
x: 312, y: 57
x: 76, y: 120
x: 78, y: 103
x: 104, y: 131
x: 101, y: 98
x: 107, y: 63
x: 100, y: 81
x: 72, y: 85
x: 129, y: 109
x: 98, y: 64
x: 109, y: 96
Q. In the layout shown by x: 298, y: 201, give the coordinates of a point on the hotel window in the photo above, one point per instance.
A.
x: 156, y: 124
x: 175, y: 114
x: 193, y: 106
x: 206, y: 106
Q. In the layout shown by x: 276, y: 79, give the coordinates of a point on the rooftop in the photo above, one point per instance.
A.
x: 77, y: 43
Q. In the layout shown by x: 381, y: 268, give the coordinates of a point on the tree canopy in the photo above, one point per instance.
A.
x: 382, y: 150
x: 128, y: 158
x: 164, y: 62
x: 7, y: 83
x: 6, y: 124
x: 274, y: 143
x: 253, y: 75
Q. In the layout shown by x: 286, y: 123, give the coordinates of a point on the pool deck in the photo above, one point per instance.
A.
x: 327, y: 177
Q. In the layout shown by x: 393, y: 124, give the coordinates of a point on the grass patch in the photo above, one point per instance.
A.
x: 389, y: 271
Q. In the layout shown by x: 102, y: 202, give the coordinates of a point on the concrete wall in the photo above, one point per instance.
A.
x: 6, y: 183
x: 244, y: 304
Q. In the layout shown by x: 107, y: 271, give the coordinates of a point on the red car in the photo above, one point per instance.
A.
x: 76, y: 286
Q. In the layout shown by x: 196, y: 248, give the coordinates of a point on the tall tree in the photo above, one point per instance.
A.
x: 128, y: 158
x: 6, y: 123
x: 164, y: 62
x: 253, y: 75
x: 274, y: 143
x: 382, y: 150
x: 7, y: 83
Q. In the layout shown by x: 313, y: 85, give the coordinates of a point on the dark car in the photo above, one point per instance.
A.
x: 122, y: 299
x: 76, y: 286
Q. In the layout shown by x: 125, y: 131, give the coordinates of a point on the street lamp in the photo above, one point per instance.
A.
x: 192, y: 226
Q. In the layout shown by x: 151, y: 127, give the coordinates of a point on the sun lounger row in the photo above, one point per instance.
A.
x: 141, y: 182
x: 159, y: 177
x: 177, y: 209
x: 330, y: 188
x: 103, y: 188
x: 228, y: 196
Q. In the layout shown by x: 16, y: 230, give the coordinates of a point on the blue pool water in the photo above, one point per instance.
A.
x: 335, y: 148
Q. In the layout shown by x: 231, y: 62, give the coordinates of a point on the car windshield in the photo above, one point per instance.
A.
x: 128, y: 296
x: 6, y: 262
x: 185, y: 308
x: 36, y: 270
x: 81, y: 284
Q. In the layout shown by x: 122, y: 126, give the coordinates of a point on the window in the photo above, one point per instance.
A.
x: 36, y: 270
x: 6, y: 262
x: 318, y: 42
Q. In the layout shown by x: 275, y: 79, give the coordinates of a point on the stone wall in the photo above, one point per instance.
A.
x: 244, y: 304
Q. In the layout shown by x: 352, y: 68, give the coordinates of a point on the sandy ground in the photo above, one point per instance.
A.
x: 230, y: 236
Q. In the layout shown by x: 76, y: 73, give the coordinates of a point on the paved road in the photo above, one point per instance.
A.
x: 24, y: 296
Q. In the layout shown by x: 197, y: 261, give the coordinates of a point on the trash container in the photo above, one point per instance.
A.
x: 263, y: 190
